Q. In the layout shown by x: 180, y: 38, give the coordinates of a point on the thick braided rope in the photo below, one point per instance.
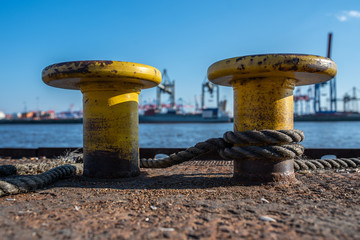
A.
x: 186, y: 155
x: 264, y: 137
x: 37, y: 168
x: 286, y: 151
x: 269, y: 144
x: 22, y: 184
x: 283, y: 138
x: 28, y: 168
x: 318, y: 164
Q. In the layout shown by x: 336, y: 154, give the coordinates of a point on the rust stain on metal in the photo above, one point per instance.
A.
x: 263, y: 99
x: 110, y: 90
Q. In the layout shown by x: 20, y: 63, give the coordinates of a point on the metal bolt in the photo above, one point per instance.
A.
x: 263, y: 99
x: 110, y: 100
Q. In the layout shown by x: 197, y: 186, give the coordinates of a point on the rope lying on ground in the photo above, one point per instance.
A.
x: 36, y: 168
x: 64, y: 166
x: 22, y: 184
x: 318, y: 164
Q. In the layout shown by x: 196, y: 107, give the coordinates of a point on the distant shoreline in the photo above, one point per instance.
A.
x: 42, y: 121
x: 308, y: 118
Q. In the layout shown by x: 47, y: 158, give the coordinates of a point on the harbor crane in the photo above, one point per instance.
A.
x: 351, y: 102
x: 210, y: 87
x: 167, y: 87
x: 318, y: 108
x: 299, y: 100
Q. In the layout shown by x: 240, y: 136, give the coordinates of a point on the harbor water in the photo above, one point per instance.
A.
x: 317, y: 134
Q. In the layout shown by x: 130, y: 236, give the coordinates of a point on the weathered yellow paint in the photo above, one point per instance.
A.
x: 265, y: 104
x: 110, y: 101
x: 305, y: 69
x: 263, y: 99
x: 71, y: 74
x: 111, y: 120
x: 263, y: 86
x: 126, y: 97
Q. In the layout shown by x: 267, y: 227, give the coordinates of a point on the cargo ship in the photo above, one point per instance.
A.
x: 210, y: 115
x: 328, y: 117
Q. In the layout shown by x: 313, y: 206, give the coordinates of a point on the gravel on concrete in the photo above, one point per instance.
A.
x: 194, y: 200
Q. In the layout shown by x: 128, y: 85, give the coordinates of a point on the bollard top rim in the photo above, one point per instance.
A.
x: 70, y: 75
x: 305, y: 69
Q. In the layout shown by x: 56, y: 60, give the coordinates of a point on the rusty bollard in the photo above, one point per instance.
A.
x: 263, y: 100
x: 110, y: 100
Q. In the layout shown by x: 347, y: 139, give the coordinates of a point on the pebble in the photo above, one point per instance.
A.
x: 268, y: 219
x: 153, y: 207
x: 210, y: 190
x: 77, y: 208
x: 167, y: 229
x: 23, y: 212
x: 35, y: 234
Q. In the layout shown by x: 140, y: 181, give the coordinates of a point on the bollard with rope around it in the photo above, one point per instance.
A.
x: 263, y: 100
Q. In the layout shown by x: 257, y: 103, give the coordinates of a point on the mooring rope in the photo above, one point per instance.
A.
x: 22, y: 184
x: 319, y: 164
x: 269, y: 144
x: 37, y: 168
x: 272, y: 144
x: 186, y: 155
x: 264, y: 137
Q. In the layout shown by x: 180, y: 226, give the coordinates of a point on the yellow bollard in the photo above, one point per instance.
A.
x: 263, y: 99
x: 110, y: 100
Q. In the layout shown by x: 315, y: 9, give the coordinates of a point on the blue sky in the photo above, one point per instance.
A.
x: 185, y: 37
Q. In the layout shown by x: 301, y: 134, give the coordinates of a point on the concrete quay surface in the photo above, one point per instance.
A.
x: 194, y: 200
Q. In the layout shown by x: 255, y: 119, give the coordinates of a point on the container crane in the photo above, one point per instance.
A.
x: 211, y: 88
x: 299, y: 100
x: 332, y: 86
x: 351, y: 102
x: 167, y: 87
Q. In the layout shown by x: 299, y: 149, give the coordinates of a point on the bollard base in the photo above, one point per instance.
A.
x: 264, y: 171
x: 110, y: 165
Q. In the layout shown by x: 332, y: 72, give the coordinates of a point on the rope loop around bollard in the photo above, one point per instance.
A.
x: 264, y: 137
x: 287, y: 151
x: 270, y: 144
